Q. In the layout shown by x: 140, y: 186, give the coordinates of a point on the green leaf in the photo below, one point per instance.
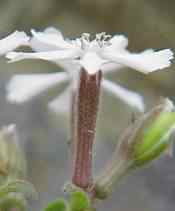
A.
x: 18, y: 186
x: 12, y: 202
x: 58, y: 205
x: 79, y: 201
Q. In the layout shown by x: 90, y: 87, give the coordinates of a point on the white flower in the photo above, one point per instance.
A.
x: 13, y: 41
x: 104, y: 53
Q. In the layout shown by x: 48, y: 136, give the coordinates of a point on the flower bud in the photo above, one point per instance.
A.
x: 13, y: 189
x: 12, y: 161
x: 150, y: 135
x: 142, y: 142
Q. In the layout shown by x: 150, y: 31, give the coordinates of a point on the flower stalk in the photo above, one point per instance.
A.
x: 87, y: 101
x: 112, y: 174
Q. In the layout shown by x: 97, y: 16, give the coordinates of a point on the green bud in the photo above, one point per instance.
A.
x: 13, y: 189
x: 13, y: 194
x: 149, y: 136
x: 143, y: 141
x: 12, y: 202
x: 12, y: 161
x: 155, y: 140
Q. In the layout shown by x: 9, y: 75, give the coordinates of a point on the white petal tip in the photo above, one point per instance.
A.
x: 158, y: 60
x: 13, y: 41
x: 165, y: 56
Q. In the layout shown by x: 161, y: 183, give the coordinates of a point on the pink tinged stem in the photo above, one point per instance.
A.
x: 87, y: 101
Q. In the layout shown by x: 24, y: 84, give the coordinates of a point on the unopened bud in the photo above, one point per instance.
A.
x: 150, y: 136
x: 142, y: 142
x: 12, y: 161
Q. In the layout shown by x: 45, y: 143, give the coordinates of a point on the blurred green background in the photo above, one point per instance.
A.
x: 44, y: 135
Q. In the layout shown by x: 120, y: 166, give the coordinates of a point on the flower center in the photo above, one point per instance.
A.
x: 101, y: 40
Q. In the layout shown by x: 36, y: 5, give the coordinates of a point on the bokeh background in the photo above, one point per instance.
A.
x: 44, y: 134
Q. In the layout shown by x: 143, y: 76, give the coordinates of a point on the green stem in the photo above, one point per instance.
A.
x: 111, y: 176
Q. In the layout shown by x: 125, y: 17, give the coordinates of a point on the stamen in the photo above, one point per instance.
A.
x: 86, y: 36
x: 103, y: 39
x: 85, y: 40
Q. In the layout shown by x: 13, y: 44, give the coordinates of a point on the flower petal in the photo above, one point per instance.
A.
x: 146, y: 62
x: 111, y: 67
x: 50, y: 39
x: 130, y: 98
x: 91, y: 62
x: 22, y: 88
x: 53, y: 30
x: 61, y: 104
x: 38, y: 46
x: 49, y: 55
x: 118, y: 42
x: 70, y: 66
x: 13, y: 41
